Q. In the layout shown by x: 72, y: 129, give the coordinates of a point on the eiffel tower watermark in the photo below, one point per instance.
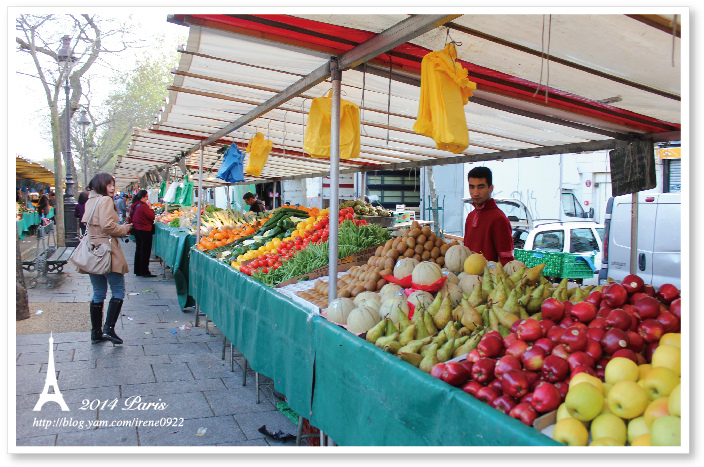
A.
x: 51, y: 382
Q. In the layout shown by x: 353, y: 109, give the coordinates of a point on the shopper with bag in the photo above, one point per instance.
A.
x: 142, y: 216
x: 101, y: 258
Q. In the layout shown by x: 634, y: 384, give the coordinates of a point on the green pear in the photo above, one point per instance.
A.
x: 377, y: 331
x: 430, y: 324
x: 476, y: 298
x: 392, y: 347
x: 578, y: 295
x: 435, y: 305
x: 390, y: 327
x: 440, y: 338
x: 536, y: 300
x: 410, y: 357
x: 444, y: 314
x: 422, y: 330
x: 384, y: 340
x: 493, y: 319
x: 505, y: 318
x: 464, y: 331
x: 517, y: 275
x: 533, y: 274
x: 522, y: 312
x: 503, y: 330
x: 460, y: 341
x: 407, y: 335
x: 403, y: 321
x: 511, y: 304
x: 538, y: 316
x: 430, y: 359
x: 458, y: 311
x: 487, y: 281
x: 412, y: 347
x: 445, y: 352
x: 417, y: 314
x: 501, y: 296
x: 471, y: 315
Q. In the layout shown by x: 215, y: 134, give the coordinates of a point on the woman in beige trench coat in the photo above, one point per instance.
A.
x: 103, y: 227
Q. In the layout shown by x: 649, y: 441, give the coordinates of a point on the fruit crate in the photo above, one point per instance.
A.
x: 558, y: 264
x: 576, y: 266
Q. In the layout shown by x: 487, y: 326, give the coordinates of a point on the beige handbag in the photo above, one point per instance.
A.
x: 93, y: 259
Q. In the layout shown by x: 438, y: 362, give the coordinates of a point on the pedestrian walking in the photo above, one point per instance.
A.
x: 80, y: 210
x: 121, y: 204
x: 142, y: 218
x: 103, y: 228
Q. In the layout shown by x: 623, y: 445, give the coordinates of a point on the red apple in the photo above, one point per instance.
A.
x: 493, y: 333
x: 580, y: 358
x: 669, y: 321
x: 563, y: 387
x: 490, y: 345
x: 566, y: 322
x: 613, y: 340
x: 546, y: 398
x: 533, y: 358
x: 641, y: 359
x: 597, y: 323
x: 529, y: 330
x: 568, y: 307
x: 632, y: 283
x: 574, y: 339
x: 560, y: 351
x: 546, y: 344
x: 547, y: 325
x: 467, y: 364
x: 635, y: 341
x: 667, y: 293
x: 604, y: 311
x: 437, y: 370
x: 515, y: 383
x: 596, y: 333
x: 496, y: 384
x: 594, y: 349
x: 594, y: 298
x: 615, y: 295
x: 649, y: 349
x: 649, y: 290
x: 487, y: 394
x: 510, y: 339
x: 483, y: 370
x: 555, y: 368
x: 473, y: 355
x: 651, y: 330
x: 618, y: 319
x: 505, y: 364
x: 552, y: 309
x: 533, y: 377
x: 675, y: 308
x: 555, y: 333
x: 524, y: 412
x: 584, y: 312
x: 626, y: 353
x: 504, y: 404
x: 646, y: 307
x: 601, y: 364
x: 583, y: 369
x: 517, y: 348
x: 455, y: 374
x: 637, y: 296
x: 527, y: 399
x: 514, y: 326
x: 471, y: 387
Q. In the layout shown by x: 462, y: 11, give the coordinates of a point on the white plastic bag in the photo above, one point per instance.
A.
x: 170, y: 196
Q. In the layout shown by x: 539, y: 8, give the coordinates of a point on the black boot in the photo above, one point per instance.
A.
x: 110, y: 319
x: 96, y: 321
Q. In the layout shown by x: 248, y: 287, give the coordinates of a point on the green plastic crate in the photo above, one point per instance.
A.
x: 575, y: 267
x: 557, y: 264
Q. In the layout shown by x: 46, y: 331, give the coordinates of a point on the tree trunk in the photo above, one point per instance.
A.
x: 433, y: 199
x: 58, y: 183
x: 22, y: 311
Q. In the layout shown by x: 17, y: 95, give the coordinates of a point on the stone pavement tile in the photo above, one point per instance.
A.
x: 61, y: 422
x: 29, y: 382
x: 171, y: 387
x: 137, y: 337
x: 70, y: 337
x: 172, y: 372
x: 127, y: 374
x: 108, y: 362
x: 48, y: 440
x: 107, y: 349
x: 250, y: 442
x: 70, y: 367
x: 219, y: 430
x: 31, y: 358
x: 117, y: 436
x: 74, y: 398
x: 200, y: 358
x: 189, y: 347
x: 34, y: 339
x: 38, y: 347
x: 213, y: 369
x: 273, y: 420
x: 184, y: 405
x: 237, y: 401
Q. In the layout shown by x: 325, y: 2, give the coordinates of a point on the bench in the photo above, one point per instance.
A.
x: 46, y: 256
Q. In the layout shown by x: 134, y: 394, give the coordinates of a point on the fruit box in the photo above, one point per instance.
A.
x: 545, y: 420
x: 320, y: 272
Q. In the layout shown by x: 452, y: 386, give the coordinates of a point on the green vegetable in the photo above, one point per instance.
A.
x: 175, y: 222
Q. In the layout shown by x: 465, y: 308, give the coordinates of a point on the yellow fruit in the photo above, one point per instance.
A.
x: 619, y: 369
x: 673, y: 405
x: 610, y: 426
x: 584, y: 401
x: 671, y: 338
x: 474, y: 264
x: 605, y: 408
x: 660, y: 382
x: 642, y: 440
x: 571, y: 432
x: 666, y: 431
x: 643, y: 370
x: 636, y: 428
x: 605, y: 441
x: 607, y: 388
x: 627, y: 399
x: 587, y: 378
x: 562, y: 412
x: 657, y: 408
x: 667, y: 356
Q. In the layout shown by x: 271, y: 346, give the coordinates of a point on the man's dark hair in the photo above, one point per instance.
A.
x: 248, y: 195
x: 83, y: 197
x: 125, y: 195
x: 100, y: 183
x: 52, y: 193
x: 481, y: 172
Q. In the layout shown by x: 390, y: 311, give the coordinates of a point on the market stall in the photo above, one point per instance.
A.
x: 173, y: 246
x: 336, y: 378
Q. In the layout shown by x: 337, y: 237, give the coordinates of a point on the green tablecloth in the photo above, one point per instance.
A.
x: 173, y: 246
x: 345, y: 386
x: 30, y: 219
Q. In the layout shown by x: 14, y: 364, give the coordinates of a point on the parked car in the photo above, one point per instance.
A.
x: 582, y: 237
x: 659, y: 257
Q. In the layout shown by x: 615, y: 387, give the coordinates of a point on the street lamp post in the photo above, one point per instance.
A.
x: 66, y: 58
x: 84, y: 122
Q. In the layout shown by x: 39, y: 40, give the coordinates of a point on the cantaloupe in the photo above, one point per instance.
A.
x: 469, y: 282
x: 455, y: 257
x: 367, y: 296
x: 390, y: 308
x: 339, y: 309
x: 451, y: 277
x: 454, y: 291
x: 426, y: 273
x: 404, y: 267
x: 362, y: 319
x: 422, y: 298
x: 390, y: 291
x: 513, y: 266
x: 474, y: 264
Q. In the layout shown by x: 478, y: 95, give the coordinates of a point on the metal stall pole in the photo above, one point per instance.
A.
x: 336, y: 76
x: 200, y: 196
x: 166, y: 211
x: 634, y: 233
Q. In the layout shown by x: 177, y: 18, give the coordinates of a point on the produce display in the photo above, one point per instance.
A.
x: 20, y: 209
x: 361, y: 208
x: 167, y: 217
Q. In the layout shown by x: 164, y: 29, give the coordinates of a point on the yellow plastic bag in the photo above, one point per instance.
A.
x: 444, y: 91
x: 316, y: 141
x: 258, y: 149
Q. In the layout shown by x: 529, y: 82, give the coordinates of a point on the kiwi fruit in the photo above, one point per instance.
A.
x: 432, y: 237
x: 427, y: 246
x: 381, y: 283
x: 417, y: 257
x: 411, y: 242
x: 421, y: 239
x: 389, y: 243
x: 370, y: 286
x: 419, y: 249
x: 425, y: 256
x: 389, y: 263
x: 439, y: 242
x: 414, y: 233
x: 435, y: 253
x: 444, y: 248
x: 402, y: 247
x: 343, y: 293
x: 440, y: 261
x: 356, y: 291
x: 425, y: 230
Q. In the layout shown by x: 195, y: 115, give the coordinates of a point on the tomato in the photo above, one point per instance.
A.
x: 245, y: 270
x: 270, y: 262
x: 265, y: 270
x: 277, y: 265
x: 299, y: 247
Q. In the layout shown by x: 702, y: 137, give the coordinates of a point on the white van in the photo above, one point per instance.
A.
x: 659, y: 248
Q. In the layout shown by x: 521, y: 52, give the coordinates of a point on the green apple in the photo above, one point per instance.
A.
x: 605, y: 441
x: 674, y: 402
x: 562, y: 412
x: 609, y: 425
x: 660, y: 382
x: 627, y: 399
x: 605, y: 408
x: 666, y: 431
x: 571, y: 432
x: 584, y: 401
x: 656, y: 409
x: 621, y: 368
x: 636, y: 428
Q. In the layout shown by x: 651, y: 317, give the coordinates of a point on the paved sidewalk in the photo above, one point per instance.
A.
x: 179, y: 370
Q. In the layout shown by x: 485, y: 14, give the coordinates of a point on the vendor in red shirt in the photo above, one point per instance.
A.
x: 487, y: 230
x: 141, y: 215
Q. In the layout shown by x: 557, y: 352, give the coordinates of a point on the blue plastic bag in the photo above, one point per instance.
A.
x: 232, y: 167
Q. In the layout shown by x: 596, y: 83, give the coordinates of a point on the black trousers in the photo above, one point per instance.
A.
x: 143, y: 250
